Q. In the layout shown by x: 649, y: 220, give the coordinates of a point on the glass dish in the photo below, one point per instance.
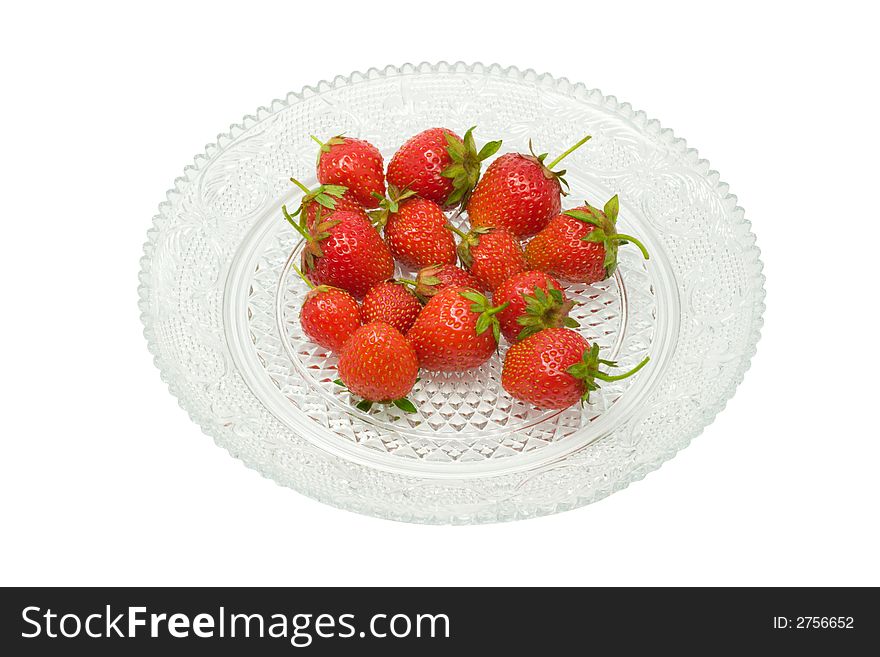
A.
x: 220, y: 306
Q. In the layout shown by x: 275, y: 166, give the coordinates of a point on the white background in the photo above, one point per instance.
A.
x: 106, y: 481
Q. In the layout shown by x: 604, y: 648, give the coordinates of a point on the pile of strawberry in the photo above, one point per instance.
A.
x: 355, y: 228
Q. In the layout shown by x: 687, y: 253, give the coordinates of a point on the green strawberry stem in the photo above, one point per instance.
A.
x: 407, y: 281
x: 458, y: 232
x: 303, y: 276
x: 317, y: 141
x: 617, y: 377
x: 629, y: 238
x: 587, y: 370
x: 569, y: 151
x: 497, y: 309
x: 305, y: 189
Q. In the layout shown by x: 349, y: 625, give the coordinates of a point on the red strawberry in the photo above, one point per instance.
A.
x: 393, y: 303
x: 438, y: 165
x: 430, y: 280
x: 452, y: 333
x: 415, y: 230
x: 519, y: 192
x: 380, y: 365
x: 328, y: 315
x: 556, y: 368
x: 323, y: 200
x: 345, y: 251
x: 352, y: 163
x: 536, y: 302
x: 491, y: 254
x: 580, y: 245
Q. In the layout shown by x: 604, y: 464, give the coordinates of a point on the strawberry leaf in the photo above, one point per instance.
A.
x: 453, y: 170
x: 405, y: 405
x: 543, y: 309
x: 335, y: 190
x: 465, y: 168
x: 483, y: 322
x: 325, y: 200
x: 612, y: 207
x: 476, y: 297
x: 610, y: 260
x: 464, y: 254
x: 455, y: 198
x: 454, y: 146
x: 469, y: 145
x: 324, y: 195
x: 586, y: 217
x: 488, y: 150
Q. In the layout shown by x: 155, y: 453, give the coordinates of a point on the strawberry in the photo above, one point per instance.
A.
x: 324, y: 199
x: 536, y: 301
x: 452, y: 334
x: 519, y: 192
x: 439, y: 166
x: 393, y: 303
x: 328, y: 315
x: 491, y: 254
x: 344, y: 250
x: 430, y: 280
x: 556, y: 368
x: 380, y: 365
x: 415, y: 230
x: 352, y: 163
x: 580, y: 245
